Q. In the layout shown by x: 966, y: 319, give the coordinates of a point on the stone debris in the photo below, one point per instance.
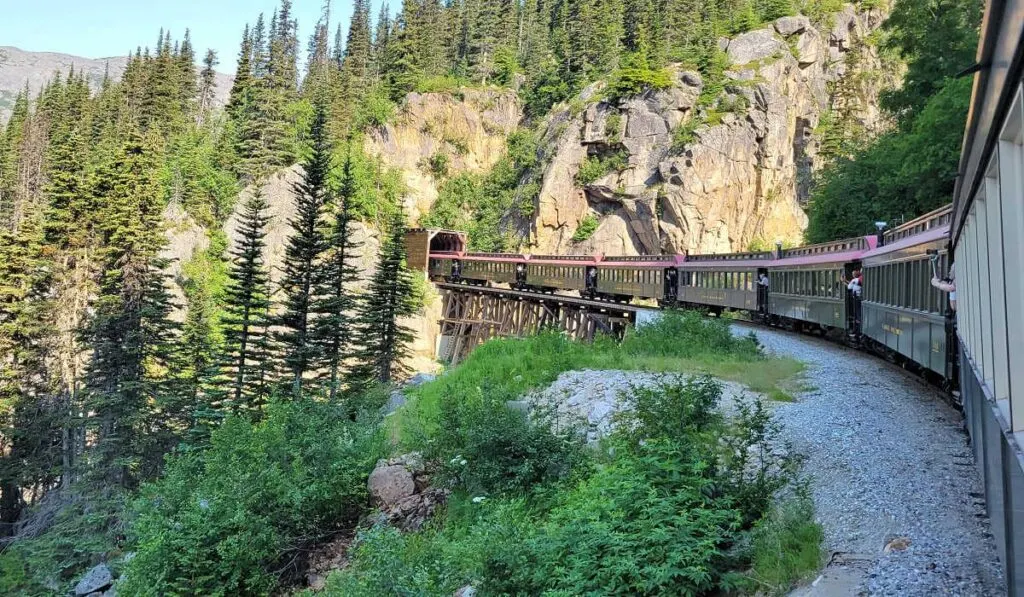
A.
x: 588, y: 400
x: 401, y: 488
x: 884, y: 457
x: 95, y: 581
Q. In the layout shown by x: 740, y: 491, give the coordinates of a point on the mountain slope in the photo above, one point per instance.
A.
x: 19, y: 67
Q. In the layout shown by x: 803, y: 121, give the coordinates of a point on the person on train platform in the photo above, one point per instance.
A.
x: 947, y: 284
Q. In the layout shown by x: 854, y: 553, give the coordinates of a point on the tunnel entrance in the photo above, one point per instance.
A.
x: 421, y: 242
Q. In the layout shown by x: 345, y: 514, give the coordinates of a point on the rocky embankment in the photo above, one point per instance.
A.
x: 742, y: 173
x: 692, y: 172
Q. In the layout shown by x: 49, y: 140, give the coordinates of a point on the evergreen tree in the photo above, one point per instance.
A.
x: 30, y: 423
x: 10, y: 157
x: 303, y: 271
x: 355, y: 67
x: 245, y: 358
x: 383, y: 340
x: 334, y: 330
x: 242, y: 86
x: 381, y: 39
x: 130, y: 333
x: 207, y: 85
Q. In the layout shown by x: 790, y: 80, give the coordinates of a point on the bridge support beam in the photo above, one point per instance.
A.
x: 472, y: 315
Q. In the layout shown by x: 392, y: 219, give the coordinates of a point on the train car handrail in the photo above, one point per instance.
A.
x: 933, y: 219
x: 752, y: 255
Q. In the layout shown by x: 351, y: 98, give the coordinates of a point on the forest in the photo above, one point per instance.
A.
x: 111, y: 392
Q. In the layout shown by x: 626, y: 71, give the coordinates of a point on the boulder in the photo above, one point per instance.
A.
x: 754, y: 45
x: 808, y: 48
x: 389, y: 484
x: 395, y: 401
x: 420, y: 378
x: 787, y: 26
x: 95, y: 580
x: 466, y: 591
x: 642, y: 120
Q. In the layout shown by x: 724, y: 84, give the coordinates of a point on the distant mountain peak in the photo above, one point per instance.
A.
x: 18, y: 67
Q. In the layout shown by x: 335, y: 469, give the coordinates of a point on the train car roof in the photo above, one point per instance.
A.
x: 928, y: 236
x: 643, y: 260
x: 818, y: 259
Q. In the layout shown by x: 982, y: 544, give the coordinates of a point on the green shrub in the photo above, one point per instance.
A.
x: 786, y: 545
x: 595, y: 167
x: 375, y: 110
x: 439, y: 84
x: 588, y: 225
x: 235, y: 518
x: 437, y: 164
x: 636, y: 76
x: 687, y: 334
x: 489, y: 448
x: 684, y: 134
x: 80, y: 530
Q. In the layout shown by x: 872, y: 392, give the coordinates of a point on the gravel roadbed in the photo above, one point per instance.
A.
x: 890, y: 465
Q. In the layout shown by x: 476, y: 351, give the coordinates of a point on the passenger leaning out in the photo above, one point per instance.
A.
x: 947, y: 284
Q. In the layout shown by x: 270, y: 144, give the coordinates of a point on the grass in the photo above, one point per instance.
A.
x: 507, y: 368
x: 786, y: 546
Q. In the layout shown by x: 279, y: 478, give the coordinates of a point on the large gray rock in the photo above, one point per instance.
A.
x: 643, y: 120
x: 754, y: 45
x: 97, y: 579
x: 808, y: 48
x: 787, y: 26
x: 395, y: 401
x: 389, y: 484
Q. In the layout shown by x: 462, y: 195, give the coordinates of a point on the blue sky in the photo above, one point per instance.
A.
x: 103, y: 28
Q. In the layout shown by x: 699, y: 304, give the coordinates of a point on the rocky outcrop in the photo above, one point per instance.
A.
x: 95, y: 582
x: 467, y: 128
x: 738, y: 171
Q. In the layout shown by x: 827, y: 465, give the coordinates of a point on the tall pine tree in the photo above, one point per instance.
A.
x: 383, y: 339
x: 246, y: 357
x: 335, y: 328
x: 303, y: 271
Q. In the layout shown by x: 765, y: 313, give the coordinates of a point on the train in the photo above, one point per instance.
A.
x: 899, y: 314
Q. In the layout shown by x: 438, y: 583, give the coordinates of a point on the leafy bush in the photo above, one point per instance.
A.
x: 490, y: 448
x: 686, y: 334
x: 588, y: 225
x: 595, y: 167
x: 439, y: 84
x: 647, y: 523
x: 375, y: 110
x: 636, y: 76
x: 437, y: 164
x: 235, y: 518
x: 77, y: 531
x: 786, y: 545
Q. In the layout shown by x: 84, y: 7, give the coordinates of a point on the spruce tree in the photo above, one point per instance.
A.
x: 130, y: 332
x: 245, y: 359
x: 242, y: 85
x: 382, y: 339
x: 335, y: 329
x: 30, y: 422
x: 355, y: 67
x: 302, y: 268
x: 10, y: 157
x: 207, y: 85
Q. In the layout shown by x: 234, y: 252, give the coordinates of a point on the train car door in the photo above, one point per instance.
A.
x: 853, y: 303
x: 671, y: 285
x: 590, y: 284
x: 763, y: 290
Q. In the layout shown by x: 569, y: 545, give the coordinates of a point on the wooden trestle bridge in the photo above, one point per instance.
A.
x: 474, y: 314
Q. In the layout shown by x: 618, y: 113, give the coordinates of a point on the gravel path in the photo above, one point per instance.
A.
x: 888, y: 460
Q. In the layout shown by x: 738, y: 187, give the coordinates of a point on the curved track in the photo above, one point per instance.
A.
x: 888, y: 459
